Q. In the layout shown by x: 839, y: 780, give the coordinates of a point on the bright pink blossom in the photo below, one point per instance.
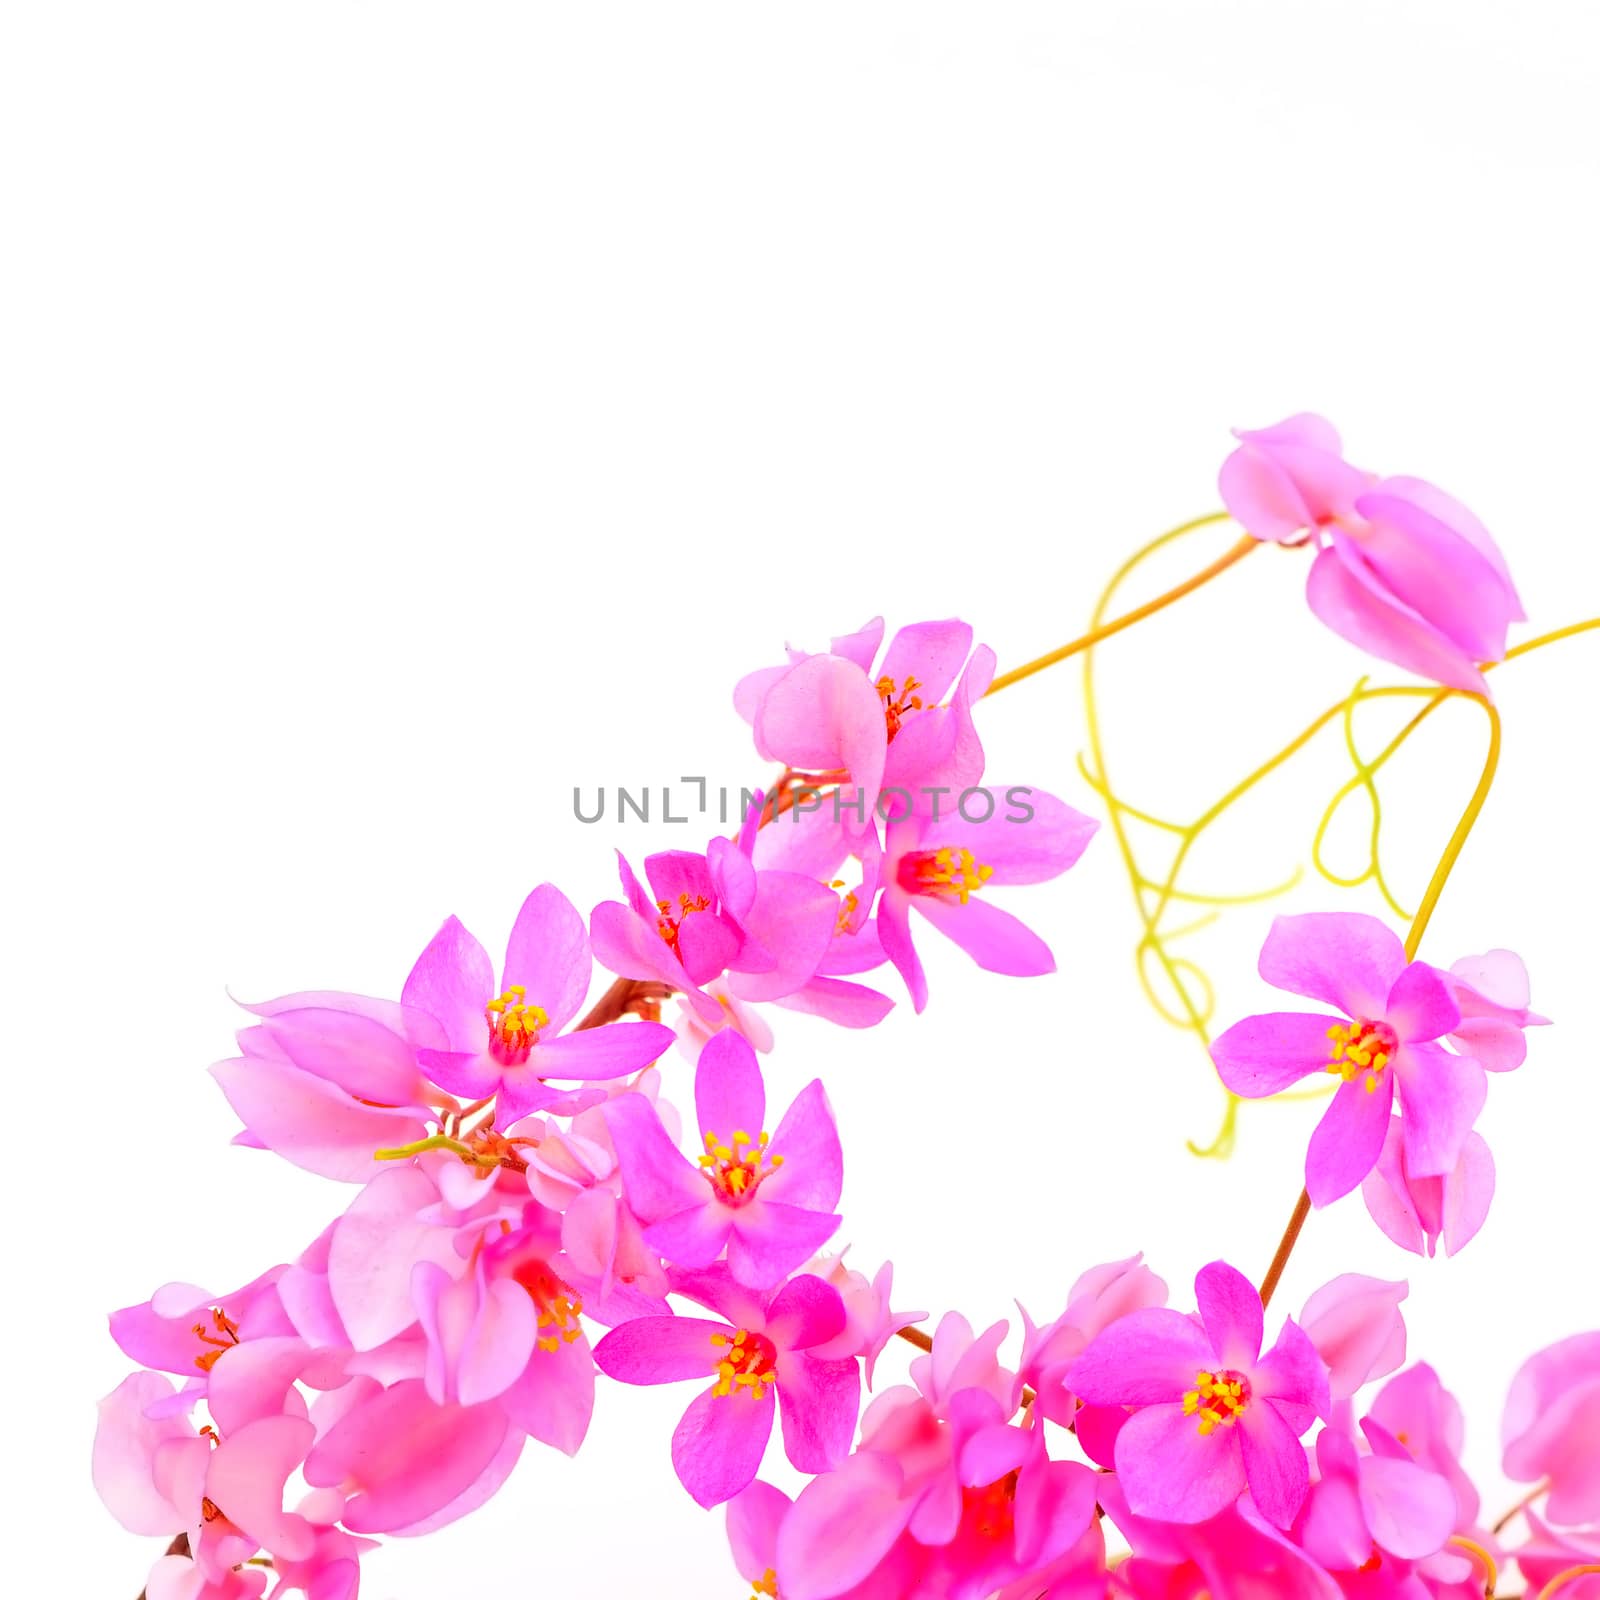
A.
x: 1214, y: 1415
x: 1416, y: 1407
x: 767, y: 1198
x: 943, y: 869
x: 1369, y: 1507
x: 1420, y: 1213
x: 1552, y: 1425
x: 759, y: 1358
x: 1355, y: 1323
x: 1397, y: 1010
x: 869, y: 1322
x: 1492, y: 992
x: 877, y: 730
x: 1402, y: 570
x: 502, y: 1038
x: 716, y: 916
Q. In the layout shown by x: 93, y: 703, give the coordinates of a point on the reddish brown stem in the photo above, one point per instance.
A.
x: 1291, y: 1235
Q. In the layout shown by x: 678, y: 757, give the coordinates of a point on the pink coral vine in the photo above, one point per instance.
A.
x: 523, y: 1219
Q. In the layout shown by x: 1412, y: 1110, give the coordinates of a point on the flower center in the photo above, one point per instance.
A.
x: 951, y: 874
x: 1217, y: 1397
x: 744, y: 1360
x: 735, y: 1171
x: 1361, y: 1046
x: 898, y: 703
x: 513, y: 1025
x: 557, y: 1307
x: 766, y: 1584
x: 992, y: 1508
x: 667, y: 924
x: 223, y: 1340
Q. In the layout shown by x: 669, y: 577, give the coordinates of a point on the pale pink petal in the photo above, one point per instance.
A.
x: 125, y: 1443
x: 626, y: 944
x: 246, y: 1477
x: 615, y: 1051
x: 1440, y: 1098
x: 754, y: 1518
x: 894, y: 929
x: 842, y: 1525
x: 826, y: 716
x: 1355, y: 1323
x: 1448, y: 510
x: 1412, y: 1512
x: 1345, y: 596
x: 692, y: 1238
x: 658, y: 1180
x: 360, y: 1055
x: 817, y: 1404
x: 846, y: 1005
x: 553, y: 1399
x: 1025, y: 835
x: 729, y: 1095
x: 1420, y: 1005
x: 930, y: 652
x: 812, y: 1173
x: 1467, y: 1193
x: 770, y: 1240
x: 1144, y: 1358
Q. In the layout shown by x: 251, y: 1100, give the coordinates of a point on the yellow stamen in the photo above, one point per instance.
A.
x: 735, y: 1169
x: 1361, y: 1047
x: 949, y: 871
x: 1216, y: 1399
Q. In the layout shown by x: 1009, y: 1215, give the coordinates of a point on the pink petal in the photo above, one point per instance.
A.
x: 1230, y: 1308
x: 996, y: 940
x: 842, y: 1526
x: 626, y: 944
x: 894, y: 929
x: 360, y: 1055
x: 729, y: 1095
x: 1440, y: 1098
x: 125, y: 1443
x: 930, y: 652
x: 823, y: 716
x: 1346, y: 1144
x: 812, y: 1174
x: 452, y: 982
x: 1349, y: 599
x: 1027, y: 836
x: 1343, y: 958
x: 614, y: 1051
x: 692, y: 1238
x: 1275, y: 1464
x: 1467, y: 1193
x: 1144, y: 1358
x: 754, y: 1518
x: 1170, y: 1472
x: 657, y: 1179
x: 718, y: 1446
x: 818, y: 1402
x: 1412, y: 1512
x: 1355, y: 1323
x: 553, y: 1399
x: 246, y: 1477
x: 548, y: 955
x: 652, y: 1350
x: 770, y: 1240
x: 1263, y: 1055
x: 846, y: 1005
x: 1448, y: 510
x: 1420, y: 1006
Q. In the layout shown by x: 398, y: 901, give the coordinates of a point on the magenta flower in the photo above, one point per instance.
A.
x: 767, y: 1198
x: 1213, y: 1415
x: 1402, y: 570
x: 706, y: 915
x: 760, y: 1358
x: 1420, y: 1213
x: 1355, y: 1324
x: 1551, y: 1424
x: 1396, y: 1011
x: 1366, y: 1509
x: 1418, y: 1408
x: 940, y: 867
x: 832, y: 714
x: 869, y: 1322
x: 501, y: 1038
x: 1493, y: 994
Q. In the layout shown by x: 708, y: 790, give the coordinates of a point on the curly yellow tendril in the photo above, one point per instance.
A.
x: 1491, y: 1572
x: 1570, y: 1576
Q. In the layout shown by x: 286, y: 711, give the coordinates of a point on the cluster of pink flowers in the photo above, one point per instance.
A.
x: 525, y: 1217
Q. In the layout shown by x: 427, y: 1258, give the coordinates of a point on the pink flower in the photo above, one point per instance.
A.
x: 767, y: 1198
x: 1356, y: 1326
x: 1096, y: 1300
x: 1417, y: 1408
x: 1417, y: 1213
x: 759, y: 1358
x: 1551, y: 1552
x: 831, y: 714
x: 1402, y: 570
x: 1492, y: 993
x: 1397, y: 1009
x: 1552, y: 1423
x: 326, y: 1079
x: 501, y: 1037
x: 1213, y: 1414
x: 709, y: 915
x: 869, y: 1322
x: 943, y: 1495
x: 939, y: 868
x: 1369, y: 1508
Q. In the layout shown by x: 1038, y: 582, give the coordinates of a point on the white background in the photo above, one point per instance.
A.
x: 412, y: 412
